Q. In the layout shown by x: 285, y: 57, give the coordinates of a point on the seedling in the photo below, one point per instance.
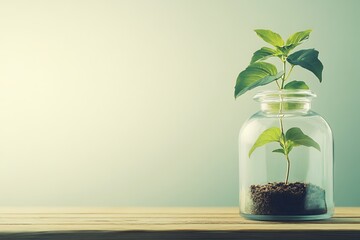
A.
x: 260, y: 73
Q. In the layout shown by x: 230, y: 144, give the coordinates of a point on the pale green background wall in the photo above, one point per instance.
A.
x: 130, y: 103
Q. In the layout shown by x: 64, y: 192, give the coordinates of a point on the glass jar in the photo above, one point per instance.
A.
x: 286, y: 160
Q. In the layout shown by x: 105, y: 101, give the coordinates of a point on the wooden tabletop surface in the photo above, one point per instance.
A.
x: 166, y: 223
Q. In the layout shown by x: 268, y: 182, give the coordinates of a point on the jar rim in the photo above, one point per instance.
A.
x: 284, y: 95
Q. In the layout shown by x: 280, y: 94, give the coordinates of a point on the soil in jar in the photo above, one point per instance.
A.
x: 295, y: 198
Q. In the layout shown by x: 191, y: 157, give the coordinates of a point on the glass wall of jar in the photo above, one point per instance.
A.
x: 286, y: 160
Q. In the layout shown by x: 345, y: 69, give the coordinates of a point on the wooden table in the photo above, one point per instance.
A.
x: 166, y: 223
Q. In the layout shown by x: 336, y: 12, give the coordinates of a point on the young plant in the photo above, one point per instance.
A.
x: 260, y: 73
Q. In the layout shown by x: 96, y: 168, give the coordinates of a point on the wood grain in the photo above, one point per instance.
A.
x: 166, y: 223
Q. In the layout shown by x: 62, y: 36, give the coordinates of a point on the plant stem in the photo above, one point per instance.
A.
x: 277, y: 84
x: 281, y: 125
x: 291, y: 68
x: 281, y: 116
x: 283, y: 77
x: 287, y: 169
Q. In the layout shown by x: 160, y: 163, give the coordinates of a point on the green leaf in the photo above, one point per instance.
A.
x: 284, y: 50
x: 270, y: 37
x: 296, y: 85
x: 256, y: 74
x: 298, y: 138
x: 293, y: 41
x: 280, y: 150
x: 269, y: 135
x: 288, y: 146
x: 308, y: 59
x: 297, y: 38
x: 263, y: 54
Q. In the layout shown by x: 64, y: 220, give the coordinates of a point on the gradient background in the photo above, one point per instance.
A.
x: 130, y: 103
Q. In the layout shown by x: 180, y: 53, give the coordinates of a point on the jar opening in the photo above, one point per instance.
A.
x: 285, y: 95
x: 285, y: 101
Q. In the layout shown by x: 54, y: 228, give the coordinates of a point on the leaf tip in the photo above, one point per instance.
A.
x: 250, y: 152
x: 259, y: 31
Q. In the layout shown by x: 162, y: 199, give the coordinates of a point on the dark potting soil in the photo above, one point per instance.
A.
x: 295, y: 198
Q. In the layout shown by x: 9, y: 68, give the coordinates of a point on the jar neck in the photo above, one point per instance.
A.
x: 285, y: 107
x: 285, y: 101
